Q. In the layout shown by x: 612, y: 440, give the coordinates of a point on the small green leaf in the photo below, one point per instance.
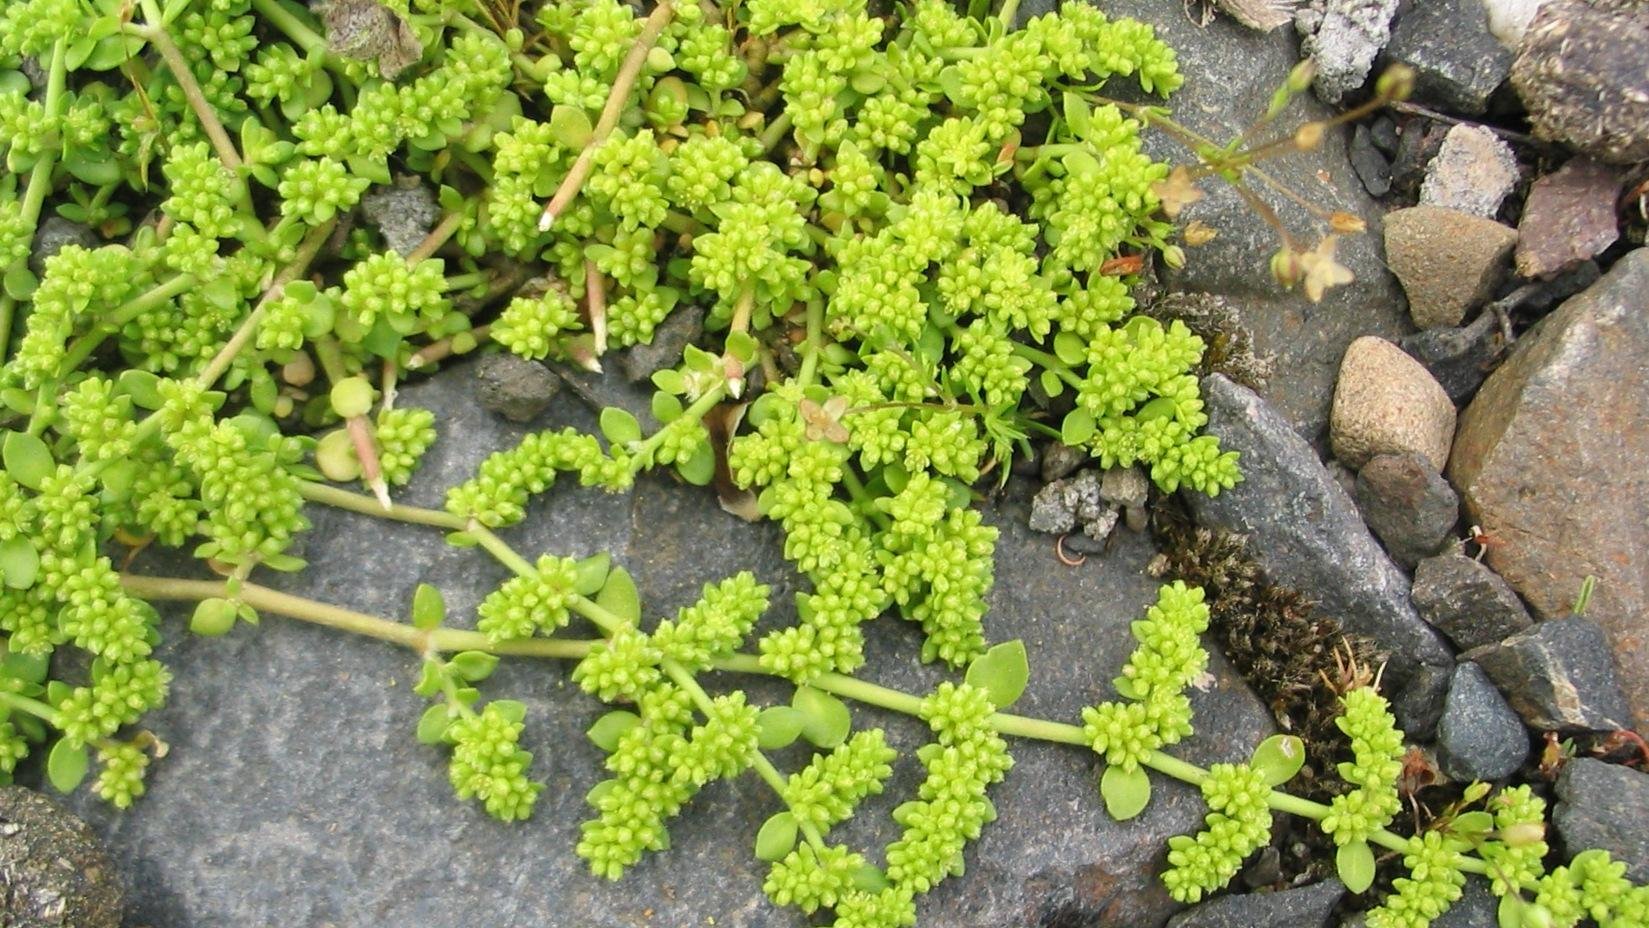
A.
x: 570, y: 126
x: 1001, y: 672
x: 618, y: 596
x: 509, y: 710
x: 142, y: 386
x: 778, y: 727
x: 66, y: 766
x: 870, y: 879
x: 27, y: 459
x: 1070, y: 348
x: 474, y: 666
x: 610, y: 727
x: 1078, y: 427
x: 462, y: 540
x: 431, y: 679
x: 213, y: 617
x: 1355, y: 864
x: 19, y: 562
x: 699, y: 469
x: 1278, y: 758
x: 670, y: 381
x: 1511, y: 911
x: 429, y: 610
x: 432, y: 725
x: 1126, y: 792
x: 825, y: 719
x: 666, y: 407
x: 592, y: 574
x: 1078, y: 114
x: 1472, y: 823
x: 1051, y: 384
x: 619, y: 426
x: 29, y: 668
x: 776, y: 837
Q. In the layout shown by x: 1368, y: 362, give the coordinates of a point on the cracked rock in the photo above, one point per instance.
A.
x: 1560, y: 676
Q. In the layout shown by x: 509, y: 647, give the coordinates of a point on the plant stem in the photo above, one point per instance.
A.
x: 154, y: 31
x: 436, y: 238
x: 310, y: 247
x: 814, y: 344
x: 628, y: 72
x: 312, y: 42
x: 81, y: 348
x: 460, y: 343
x: 1010, y: 8
x: 1048, y: 362
x: 595, y: 291
x: 40, y: 176
x: 33, y: 707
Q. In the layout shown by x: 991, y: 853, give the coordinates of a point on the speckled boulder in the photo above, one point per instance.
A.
x: 1388, y: 403
x: 1583, y: 73
x: 53, y: 870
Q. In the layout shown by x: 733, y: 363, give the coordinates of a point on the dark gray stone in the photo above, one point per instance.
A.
x: 1459, y: 357
x: 514, y: 387
x: 295, y: 793
x: 1477, y: 907
x: 1408, y: 505
x: 1306, y: 532
x: 1305, y: 907
x: 1467, y: 601
x: 1583, y: 73
x: 1479, y: 736
x: 1059, y: 459
x: 1419, y: 706
x: 1371, y: 166
x: 403, y: 212
x: 53, y: 871
x: 1604, y: 806
x: 1559, y: 675
x: 670, y: 339
x: 52, y: 234
x: 1236, y: 71
x: 1457, y: 62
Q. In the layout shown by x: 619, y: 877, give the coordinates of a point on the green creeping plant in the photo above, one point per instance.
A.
x: 903, y: 224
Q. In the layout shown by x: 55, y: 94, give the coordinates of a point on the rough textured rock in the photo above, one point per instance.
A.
x: 1568, y: 218
x: 670, y: 339
x: 1467, y: 601
x: 1459, y: 358
x: 1372, y: 167
x: 1549, y: 459
x: 1457, y: 61
x: 53, y: 871
x: 1408, y: 505
x: 1059, y: 459
x: 1238, y: 70
x: 1063, y: 505
x: 1583, y: 73
x: 1448, y: 261
x: 1604, y: 806
x: 1477, y: 907
x: 1305, y: 531
x: 1344, y: 39
x: 1473, y: 172
x: 293, y: 755
x: 1305, y: 907
x: 514, y: 387
x: 403, y: 212
x: 1388, y: 403
x: 1558, y: 676
x: 1125, y: 486
x: 1479, y: 736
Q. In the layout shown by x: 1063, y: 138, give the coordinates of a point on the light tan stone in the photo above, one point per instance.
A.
x: 1388, y: 403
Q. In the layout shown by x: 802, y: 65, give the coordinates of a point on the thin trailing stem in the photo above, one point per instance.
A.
x: 437, y: 237
x: 623, y: 83
x: 40, y: 176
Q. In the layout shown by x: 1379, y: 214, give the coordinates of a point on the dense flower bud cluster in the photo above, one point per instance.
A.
x: 1377, y: 761
x: 1433, y: 883
x: 634, y: 806
x: 489, y: 764
x: 827, y: 790
x: 528, y: 604
x: 531, y: 326
x: 1238, y: 824
x: 403, y: 434
x: 1155, y: 711
x: 715, y: 625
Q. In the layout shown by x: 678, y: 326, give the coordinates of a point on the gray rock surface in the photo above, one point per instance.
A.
x: 1059, y: 459
x: 1063, y: 505
x: 1304, y: 529
x: 1457, y: 61
x: 1477, y: 907
x: 1388, y: 403
x: 1583, y: 73
x: 1372, y: 166
x: 1408, y: 505
x: 52, y: 234
x: 403, y: 212
x: 1237, y: 71
x: 1449, y: 261
x: 1344, y: 38
x: 1604, y: 806
x: 514, y: 387
x: 670, y: 338
x: 1305, y: 907
x: 295, y: 793
x: 1549, y: 459
x: 1558, y: 675
x: 1479, y: 737
x: 1467, y: 601
x: 1473, y: 172
x: 54, y: 873
x: 1459, y: 357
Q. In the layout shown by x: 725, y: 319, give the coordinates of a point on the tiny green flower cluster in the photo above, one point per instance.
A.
x: 528, y: 604
x: 1155, y: 711
x: 488, y: 763
x: 1377, y: 761
x: 1434, y: 882
x: 827, y: 790
x: 1238, y: 824
x: 643, y: 794
x: 499, y: 492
